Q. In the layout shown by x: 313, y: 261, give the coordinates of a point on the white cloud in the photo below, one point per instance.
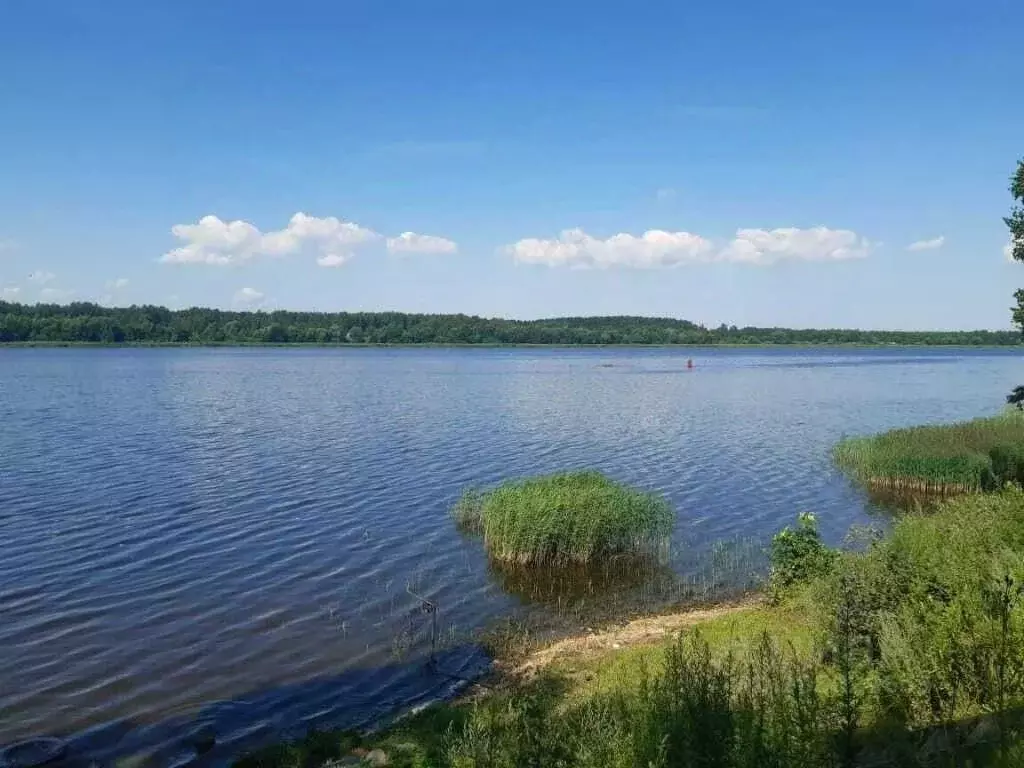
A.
x: 332, y: 260
x: 10, y: 293
x: 55, y: 295
x: 410, y: 242
x: 1008, y: 251
x: 575, y: 248
x: 249, y: 297
x: 657, y: 248
x: 42, y: 277
x: 769, y: 246
x: 114, y: 285
x: 665, y: 194
x: 224, y: 243
x: 927, y: 245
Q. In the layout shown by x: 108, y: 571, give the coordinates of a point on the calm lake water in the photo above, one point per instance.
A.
x: 228, y: 538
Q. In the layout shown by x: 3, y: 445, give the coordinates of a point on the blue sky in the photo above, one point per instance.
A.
x: 504, y: 158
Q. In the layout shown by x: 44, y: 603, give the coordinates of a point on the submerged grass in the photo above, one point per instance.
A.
x: 566, y: 518
x: 964, y: 457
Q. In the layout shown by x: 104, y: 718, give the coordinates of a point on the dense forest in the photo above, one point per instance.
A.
x: 91, y: 323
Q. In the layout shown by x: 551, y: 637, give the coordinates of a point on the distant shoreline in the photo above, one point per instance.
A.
x: 482, y: 345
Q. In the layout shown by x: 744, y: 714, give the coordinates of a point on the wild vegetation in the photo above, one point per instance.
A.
x: 86, y: 323
x: 566, y: 518
x: 907, y: 653
x: 978, y: 455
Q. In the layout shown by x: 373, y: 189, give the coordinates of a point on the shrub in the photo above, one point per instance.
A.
x: 798, y: 555
x: 571, y: 517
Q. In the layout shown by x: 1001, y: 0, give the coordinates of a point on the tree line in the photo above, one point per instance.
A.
x: 94, y: 324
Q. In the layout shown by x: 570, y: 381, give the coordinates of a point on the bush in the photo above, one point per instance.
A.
x: 798, y: 555
x: 572, y: 517
x: 934, y: 611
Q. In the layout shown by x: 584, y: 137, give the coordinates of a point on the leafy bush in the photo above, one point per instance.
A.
x: 798, y: 555
x: 935, y: 612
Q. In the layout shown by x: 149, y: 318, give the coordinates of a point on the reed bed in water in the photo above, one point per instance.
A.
x: 565, y: 518
x: 963, y: 457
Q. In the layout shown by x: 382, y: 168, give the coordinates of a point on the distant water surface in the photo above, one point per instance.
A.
x: 229, y: 537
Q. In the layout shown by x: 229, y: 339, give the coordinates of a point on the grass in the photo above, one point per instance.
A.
x: 965, y: 457
x: 909, y: 652
x: 565, y: 519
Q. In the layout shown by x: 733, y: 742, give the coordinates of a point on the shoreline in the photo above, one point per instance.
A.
x: 496, y: 345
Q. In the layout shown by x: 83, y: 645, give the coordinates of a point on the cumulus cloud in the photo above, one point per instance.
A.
x: 225, y: 243
x: 927, y: 245
x: 248, y: 297
x: 41, y: 277
x: 657, y: 248
x: 114, y: 285
x: 575, y: 248
x: 769, y: 246
x: 411, y: 242
x: 10, y: 293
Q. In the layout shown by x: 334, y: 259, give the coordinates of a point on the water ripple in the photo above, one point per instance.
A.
x: 229, y: 537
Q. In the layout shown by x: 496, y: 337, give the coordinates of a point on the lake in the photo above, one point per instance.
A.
x: 238, y: 539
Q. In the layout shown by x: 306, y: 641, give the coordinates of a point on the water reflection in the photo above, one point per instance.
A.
x: 568, y: 584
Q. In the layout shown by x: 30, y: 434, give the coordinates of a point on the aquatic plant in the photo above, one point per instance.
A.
x: 964, y: 457
x: 565, y: 518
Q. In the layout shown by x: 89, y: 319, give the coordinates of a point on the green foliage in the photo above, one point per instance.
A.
x: 570, y: 517
x: 1015, y: 224
x: 699, y: 709
x: 982, y: 454
x: 922, y: 665
x: 798, y: 555
x: 88, y: 323
x: 934, y: 613
x: 1015, y: 221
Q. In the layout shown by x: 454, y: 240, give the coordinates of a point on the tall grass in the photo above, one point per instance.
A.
x: 907, y: 653
x: 566, y: 518
x: 965, y: 457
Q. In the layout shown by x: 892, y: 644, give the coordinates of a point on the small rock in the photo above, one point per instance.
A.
x: 376, y: 758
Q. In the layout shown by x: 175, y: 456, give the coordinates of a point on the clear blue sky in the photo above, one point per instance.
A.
x: 781, y: 157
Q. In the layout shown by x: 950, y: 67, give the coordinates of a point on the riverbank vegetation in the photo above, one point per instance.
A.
x: 86, y: 323
x: 906, y: 652
x: 978, y: 455
x: 564, y: 519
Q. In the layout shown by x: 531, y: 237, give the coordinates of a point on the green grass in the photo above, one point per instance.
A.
x: 965, y: 457
x: 566, y: 518
x: 907, y: 653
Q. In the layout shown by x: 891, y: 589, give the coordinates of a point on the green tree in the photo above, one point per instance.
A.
x: 1015, y: 223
